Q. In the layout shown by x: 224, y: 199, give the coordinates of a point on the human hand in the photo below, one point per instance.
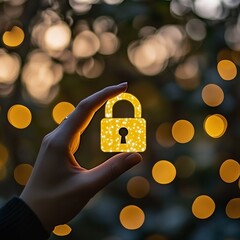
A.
x: 59, y: 187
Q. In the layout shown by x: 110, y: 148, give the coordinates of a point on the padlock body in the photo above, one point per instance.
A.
x: 111, y: 139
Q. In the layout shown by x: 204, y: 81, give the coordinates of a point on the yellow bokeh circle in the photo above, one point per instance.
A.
x: 14, y: 37
x: 164, y: 135
x: 215, y: 125
x: 19, y: 116
x: 212, y: 95
x: 132, y: 217
x: 203, y: 207
x: 229, y: 171
x: 22, y: 173
x: 163, y: 172
x: 138, y: 187
x: 233, y: 208
x: 227, y: 69
x: 182, y: 131
x: 62, y: 230
x: 62, y: 110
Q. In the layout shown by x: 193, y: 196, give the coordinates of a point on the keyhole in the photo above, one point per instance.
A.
x: 123, y: 132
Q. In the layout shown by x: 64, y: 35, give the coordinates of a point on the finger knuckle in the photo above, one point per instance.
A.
x: 83, y: 105
x: 53, y: 142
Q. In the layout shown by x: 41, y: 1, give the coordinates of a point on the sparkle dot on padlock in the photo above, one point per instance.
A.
x: 123, y: 132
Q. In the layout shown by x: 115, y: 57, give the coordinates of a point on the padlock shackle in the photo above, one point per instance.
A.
x: 123, y: 96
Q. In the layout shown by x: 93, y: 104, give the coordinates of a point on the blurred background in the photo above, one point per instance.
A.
x: 181, y: 60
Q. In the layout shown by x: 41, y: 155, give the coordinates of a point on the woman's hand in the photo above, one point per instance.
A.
x: 59, y: 187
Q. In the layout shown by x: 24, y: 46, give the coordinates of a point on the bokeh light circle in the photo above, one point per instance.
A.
x: 233, y: 208
x: 14, y: 37
x: 19, y: 116
x: 227, y: 69
x: 132, y: 217
x: 57, y: 37
x: 182, y: 131
x: 22, y: 172
x: 138, y: 187
x: 203, y: 207
x: 62, y: 230
x: 215, y: 125
x: 164, y: 135
x: 163, y: 172
x: 212, y: 95
x: 229, y: 171
x: 62, y: 110
x: 85, y: 44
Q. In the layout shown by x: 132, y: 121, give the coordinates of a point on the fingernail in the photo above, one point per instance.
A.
x: 124, y: 84
x: 134, y: 157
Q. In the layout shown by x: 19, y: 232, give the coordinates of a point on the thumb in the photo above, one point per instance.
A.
x: 112, y: 168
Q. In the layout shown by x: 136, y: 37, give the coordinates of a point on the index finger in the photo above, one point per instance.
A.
x: 79, y: 119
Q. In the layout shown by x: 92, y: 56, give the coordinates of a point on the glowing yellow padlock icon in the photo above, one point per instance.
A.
x: 123, y: 134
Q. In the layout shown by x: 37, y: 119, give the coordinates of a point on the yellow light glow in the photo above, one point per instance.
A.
x: 14, y: 37
x: 92, y: 68
x: 109, y: 43
x: 136, y: 135
x: 227, y: 69
x: 3, y: 155
x: 57, y: 37
x: 229, y: 171
x: 138, y: 187
x: 132, y: 217
x: 233, y: 208
x: 86, y: 44
x: 22, y: 173
x: 215, y: 125
x: 203, y: 207
x: 46, y: 75
x: 185, y: 166
x: 19, y: 116
x: 62, y: 110
x: 182, y: 131
x: 9, y: 67
x: 212, y: 95
x: 164, y: 135
x: 145, y: 55
x: 163, y: 172
x: 187, y: 74
x: 62, y: 230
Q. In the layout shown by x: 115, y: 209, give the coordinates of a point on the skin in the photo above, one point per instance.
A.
x: 59, y: 187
